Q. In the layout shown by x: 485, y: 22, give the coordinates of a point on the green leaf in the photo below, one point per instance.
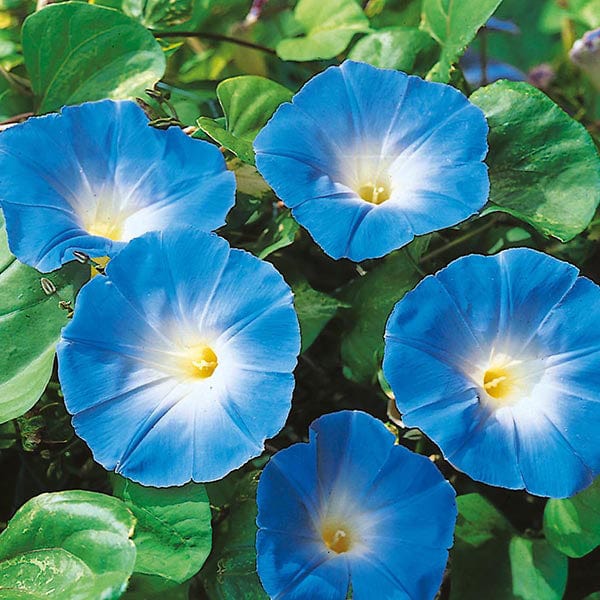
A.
x: 149, y: 587
x: 491, y: 560
x: 315, y: 309
x: 73, y: 545
x: 29, y: 328
x: 167, y: 15
x: 93, y: 53
x: 372, y: 298
x: 11, y: 101
x: 328, y: 27
x: 572, y: 525
x: 538, y: 570
x: 544, y: 166
x: 230, y: 571
x: 454, y: 24
x: 173, y: 535
x: 248, y: 102
x: 280, y: 233
x: 404, y: 49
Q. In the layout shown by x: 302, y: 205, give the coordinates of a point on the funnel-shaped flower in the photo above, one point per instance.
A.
x: 497, y: 359
x: 350, y: 507
x: 96, y: 175
x: 178, y: 364
x: 368, y: 158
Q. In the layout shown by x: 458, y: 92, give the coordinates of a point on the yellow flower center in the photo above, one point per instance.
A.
x: 376, y: 192
x: 505, y: 380
x: 337, y: 537
x: 101, y: 261
x: 106, y: 228
x: 498, y: 382
x: 201, y: 361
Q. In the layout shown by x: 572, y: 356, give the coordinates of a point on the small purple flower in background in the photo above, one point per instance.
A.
x: 95, y: 176
x: 351, y: 508
x: 586, y: 55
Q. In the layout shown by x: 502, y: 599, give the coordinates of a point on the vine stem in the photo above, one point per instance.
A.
x: 458, y: 240
x: 217, y: 37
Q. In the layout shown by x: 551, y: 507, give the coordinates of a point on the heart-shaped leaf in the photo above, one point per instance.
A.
x: 73, y: 545
x: 91, y: 53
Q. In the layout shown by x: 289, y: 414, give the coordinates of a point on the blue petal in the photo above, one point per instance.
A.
x: 397, y: 503
x: 120, y: 358
x: 432, y: 139
x: 408, y: 489
x: 343, y: 466
x: 294, y: 569
x: 399, y: 571
x: 290, y: 476
x: 548, y: 281
x: 491, y: 435
x: 548, y: 462
x: 104, y: 154
x: 439, y: 340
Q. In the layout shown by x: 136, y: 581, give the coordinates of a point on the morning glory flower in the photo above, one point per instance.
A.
x: 96, y: 175
x: 497, y: 360
x: 368, y: 158
x: 178, y: 364
x: 352, y: 508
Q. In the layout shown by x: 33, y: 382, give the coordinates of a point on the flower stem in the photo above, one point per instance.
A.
x: 217, y: 37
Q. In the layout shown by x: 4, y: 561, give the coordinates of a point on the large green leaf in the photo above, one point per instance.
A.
x: 544, y: 166
x: 573, y: 525
x: 30, y: 324
x: 74, y: 545
x: 248, y: 102
x: 92, y: 53
x: 230, y: 571
x: 315, y: 309
x: 173, y: 535
x: 151, y: 587
x: 454, y: 24
x: 405, y: 49
x: 372, y: 298
x: 328, y: 27
x: 491, y: 560
x: 167, y: 15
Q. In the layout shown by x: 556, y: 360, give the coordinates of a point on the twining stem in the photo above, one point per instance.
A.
x: 214, y: 36
x: 458, y: 241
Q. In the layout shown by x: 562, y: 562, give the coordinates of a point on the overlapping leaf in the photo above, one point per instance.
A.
x: 102, y: 53
x: 74, y: 545
x: 30, y: 325
x: 544, y: 166
x: 173, y: 533
x: 490, y: 555
x: 328, y: 29
x: 248, y: 102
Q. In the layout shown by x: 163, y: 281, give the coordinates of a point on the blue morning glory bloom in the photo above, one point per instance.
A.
x: 178, y: 364
x: 96, y: 175
x: 368, y: 158
x: 352, y: 508
x: 497, y: 360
